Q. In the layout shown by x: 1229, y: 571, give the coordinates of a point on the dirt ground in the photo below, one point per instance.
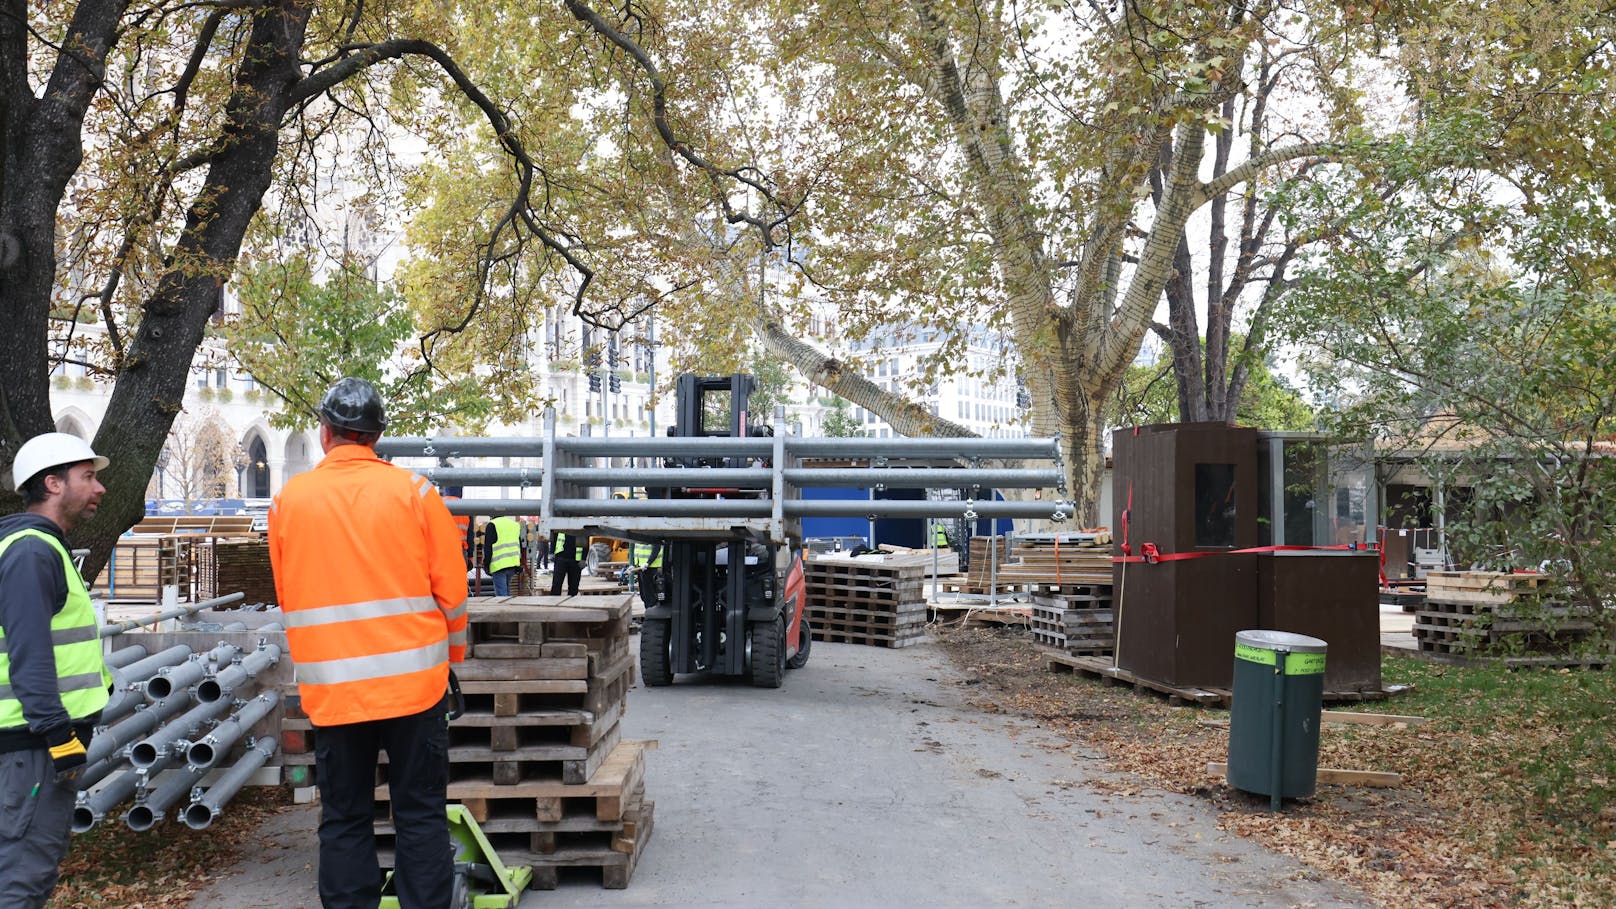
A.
x: 1420, y: 845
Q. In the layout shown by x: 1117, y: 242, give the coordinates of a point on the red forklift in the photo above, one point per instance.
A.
x: 732, y: 606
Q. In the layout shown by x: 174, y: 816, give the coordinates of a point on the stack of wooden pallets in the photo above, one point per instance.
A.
x: 538, y: 758
x: 875, y: 599
x: 1068, y: 578
x: 1503, y: 615
x: 238, y: 565
x: 980, y: 578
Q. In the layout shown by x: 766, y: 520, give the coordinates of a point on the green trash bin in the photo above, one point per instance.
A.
x: 1274, y: 719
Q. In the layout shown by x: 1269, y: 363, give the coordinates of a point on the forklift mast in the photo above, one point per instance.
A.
x: 712, y: 405
x: 720, y: 607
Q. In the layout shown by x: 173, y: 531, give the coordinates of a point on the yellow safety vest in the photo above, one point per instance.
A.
x: 81, y: 675
x: 507, y: 551
x: 647, y: 555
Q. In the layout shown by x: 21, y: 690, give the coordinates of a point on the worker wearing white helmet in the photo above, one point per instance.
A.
x: 53, y: 682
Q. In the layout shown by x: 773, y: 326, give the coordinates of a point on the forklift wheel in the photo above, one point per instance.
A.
x: 656, y: 657
x: 768, y: 669
x: 804, y: 643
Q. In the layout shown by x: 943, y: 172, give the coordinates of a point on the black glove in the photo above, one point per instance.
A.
x: 67, y: 753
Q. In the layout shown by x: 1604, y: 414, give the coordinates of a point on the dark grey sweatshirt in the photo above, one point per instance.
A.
x: 32, y: 591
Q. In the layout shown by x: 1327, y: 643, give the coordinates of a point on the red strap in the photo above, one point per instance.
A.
x: 1148, y: 552
x: 1125, y: 513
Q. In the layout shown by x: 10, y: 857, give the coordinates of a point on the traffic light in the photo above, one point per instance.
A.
x: 614, y: 383
x: 594, y: 381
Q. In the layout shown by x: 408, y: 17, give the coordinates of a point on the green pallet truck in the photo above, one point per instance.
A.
x: 482, y: 881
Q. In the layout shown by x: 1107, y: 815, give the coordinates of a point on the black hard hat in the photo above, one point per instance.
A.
x: 354, y: 405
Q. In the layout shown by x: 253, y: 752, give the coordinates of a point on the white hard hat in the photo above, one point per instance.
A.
x: 52, y: 449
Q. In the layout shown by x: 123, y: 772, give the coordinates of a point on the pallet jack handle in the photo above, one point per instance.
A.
x: 457, y: 701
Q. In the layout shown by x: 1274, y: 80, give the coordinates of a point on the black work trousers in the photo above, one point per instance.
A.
x: 650, y: 586
x: 417, y: 749
x: 570, y: 569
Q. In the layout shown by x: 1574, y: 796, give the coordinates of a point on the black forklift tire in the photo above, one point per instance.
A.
x: 804, y: 644
x: 598, y: 553
x: 768, y: 669
x: 656, y: 657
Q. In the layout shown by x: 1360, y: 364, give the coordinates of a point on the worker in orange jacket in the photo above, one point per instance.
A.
x: 371, y: 581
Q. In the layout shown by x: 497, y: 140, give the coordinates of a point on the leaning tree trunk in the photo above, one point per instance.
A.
x: 41, y: 151
x: 152, y: 379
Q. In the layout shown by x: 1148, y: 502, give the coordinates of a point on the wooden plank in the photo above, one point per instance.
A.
x: 1376, y: 779
x: 1349, y: 718
x: 548, y: 608
x: 608, y: 782
x: 496, y: 670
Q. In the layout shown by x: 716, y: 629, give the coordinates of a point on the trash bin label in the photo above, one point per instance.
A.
x: 1295, y: 663
x: 1305, y: 664
x: 1256, y: 655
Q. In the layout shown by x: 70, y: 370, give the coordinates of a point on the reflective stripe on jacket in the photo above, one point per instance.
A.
x: 372, y: 584
x: 81, y: 675
x: 507, y: 549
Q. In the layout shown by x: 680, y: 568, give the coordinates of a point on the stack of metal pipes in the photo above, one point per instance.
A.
x: 174, y: 716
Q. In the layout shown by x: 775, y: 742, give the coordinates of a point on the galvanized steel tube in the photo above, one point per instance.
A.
x: 92, y: 807
x: 174, y: 738
x: 762, y: 508
x: 123, y: 656
x: 228, y: 680
x: 116, y: 628
x: 721, y: 446
x: 925, y: 508
x: 148, y: 811
x: 202, y: 811
x: 204, y: 752
x: 179, y: 677
x: 224, y: 652
x: 147, y: 717
x: 760, y: 477
x: 141, y: 670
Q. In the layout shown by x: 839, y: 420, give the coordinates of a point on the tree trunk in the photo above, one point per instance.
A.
x: 151, y: 383
x: 43, y: 148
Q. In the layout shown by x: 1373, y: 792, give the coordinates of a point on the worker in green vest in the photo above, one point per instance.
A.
x: 502, y: 552
x: 647, y: 561
x: 567, y: 557
x: 940, y: 538
x: 53, y: 682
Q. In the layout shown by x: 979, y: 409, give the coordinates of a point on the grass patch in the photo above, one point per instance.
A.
x: 1507, y: 797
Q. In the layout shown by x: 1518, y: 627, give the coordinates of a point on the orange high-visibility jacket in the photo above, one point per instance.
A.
x: 372, y: 586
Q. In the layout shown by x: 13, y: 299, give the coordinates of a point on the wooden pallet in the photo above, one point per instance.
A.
x: 602, y: 824
x: 616, y: 861
x: 1496, y: 615
x: 606, y: 792
x: 903, y: 638
x: 1101, y: 668
x: 885, y: 565
x: 979, y: 616
x: 982, y: 590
